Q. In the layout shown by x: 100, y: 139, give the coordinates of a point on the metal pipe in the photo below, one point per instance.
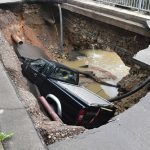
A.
x: 17, y: 39
x: 139, y: 5
x: 49, y: 21
x: 61, y: 28
x: 134, y: 90
x: 49, y: 109
x: 56, y: 100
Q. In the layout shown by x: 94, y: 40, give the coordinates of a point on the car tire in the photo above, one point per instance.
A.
x: 54, y: 101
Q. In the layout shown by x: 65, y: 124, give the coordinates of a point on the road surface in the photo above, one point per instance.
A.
x: 9, y: 1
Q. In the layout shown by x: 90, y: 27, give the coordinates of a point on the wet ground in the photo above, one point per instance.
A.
x: 105, y: 65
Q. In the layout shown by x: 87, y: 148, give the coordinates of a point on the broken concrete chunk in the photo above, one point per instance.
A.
x: 143, y: 56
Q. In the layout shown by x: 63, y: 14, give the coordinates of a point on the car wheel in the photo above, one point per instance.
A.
x: 54, y: 101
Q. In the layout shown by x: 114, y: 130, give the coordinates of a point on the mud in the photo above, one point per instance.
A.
x: 84, y: 32
x: 27, y: 22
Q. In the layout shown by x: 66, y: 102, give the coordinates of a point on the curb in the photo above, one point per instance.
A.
x: 15, y: 119
x: 1, y: 146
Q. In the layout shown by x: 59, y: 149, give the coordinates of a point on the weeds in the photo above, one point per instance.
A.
x: 4, y: 136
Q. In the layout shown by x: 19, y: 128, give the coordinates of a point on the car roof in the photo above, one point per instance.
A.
x: 56, y: 64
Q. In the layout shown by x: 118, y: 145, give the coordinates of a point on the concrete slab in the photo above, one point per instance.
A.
x: 9, y: 1
x: 25, y: 137
x: 7, y: 93
x: 129, y: 130
x: 130, y: 14
x: 119, y: 139
x: 128, y: 20
x: 1, y: 146
x: 143, y: 56
x: 29, y: 51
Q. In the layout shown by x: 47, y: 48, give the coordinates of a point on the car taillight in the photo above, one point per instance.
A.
x: 80, y: 115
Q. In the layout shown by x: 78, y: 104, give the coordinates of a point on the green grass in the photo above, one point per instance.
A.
x: 4, y: 136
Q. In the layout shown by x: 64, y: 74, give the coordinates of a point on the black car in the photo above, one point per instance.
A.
x: 79, y: 106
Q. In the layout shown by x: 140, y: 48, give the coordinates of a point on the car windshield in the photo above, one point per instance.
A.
x: 38, y: 64
x: 66, y: 75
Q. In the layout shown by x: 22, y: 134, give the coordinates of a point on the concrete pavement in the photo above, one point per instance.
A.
x: 122, y: 18
x: 1, y: 146
x: 14, y: 118
x: 9, y: 1
x: 129, y: 131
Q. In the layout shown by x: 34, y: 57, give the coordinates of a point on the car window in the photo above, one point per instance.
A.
x: 65, y: 75
x: 38, y: 65
x: 48, y: 69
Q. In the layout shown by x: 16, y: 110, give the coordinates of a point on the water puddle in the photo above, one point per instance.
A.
x: 106, y: 65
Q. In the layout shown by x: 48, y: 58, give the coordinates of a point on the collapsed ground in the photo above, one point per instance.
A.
x: 28, y: 22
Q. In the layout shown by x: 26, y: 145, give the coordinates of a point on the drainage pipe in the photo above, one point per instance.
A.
x: 17, y: 39
x: 57, y: 102
x: 134, y: 90
x: 61, y: 28
x: 49, y: 109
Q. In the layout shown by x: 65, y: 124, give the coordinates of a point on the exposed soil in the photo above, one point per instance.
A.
x: 30, y: 26
x: 84, y: 32
x: 135, y: 77
x: 27, y: 22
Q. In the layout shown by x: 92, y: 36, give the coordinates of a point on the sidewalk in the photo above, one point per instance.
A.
x: 14, y: 118
x: 1, y: 146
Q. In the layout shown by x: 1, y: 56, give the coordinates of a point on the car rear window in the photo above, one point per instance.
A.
x: 66, y: 75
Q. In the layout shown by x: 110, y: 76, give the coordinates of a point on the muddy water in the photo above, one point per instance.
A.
x: 100, y: 60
